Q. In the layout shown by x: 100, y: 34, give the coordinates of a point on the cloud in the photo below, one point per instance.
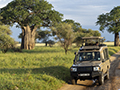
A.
x: 83, y: 11
x: 86, y: 15
x: 4, y: 3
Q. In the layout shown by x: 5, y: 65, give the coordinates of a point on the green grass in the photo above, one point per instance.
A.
x: 43, y: 68
x: 113, y: 50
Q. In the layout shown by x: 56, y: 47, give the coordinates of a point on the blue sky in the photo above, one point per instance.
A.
x: 83, y: 11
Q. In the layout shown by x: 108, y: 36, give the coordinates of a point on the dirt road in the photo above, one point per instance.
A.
x: 112, y: 84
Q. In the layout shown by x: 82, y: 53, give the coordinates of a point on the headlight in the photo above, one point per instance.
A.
x: 73, y: 69
x: 96, y: 68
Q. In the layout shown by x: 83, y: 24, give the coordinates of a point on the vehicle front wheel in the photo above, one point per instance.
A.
x: 74, y: 81
x: 101, y: 79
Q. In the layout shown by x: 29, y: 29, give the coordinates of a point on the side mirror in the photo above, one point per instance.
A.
x: 74, y: 61
x: 75, y: 53
x: 103, y: 60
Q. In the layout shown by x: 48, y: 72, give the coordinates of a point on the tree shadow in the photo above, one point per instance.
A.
x: 48, y: 50
x: 43, y: 51
x: 59, y: 72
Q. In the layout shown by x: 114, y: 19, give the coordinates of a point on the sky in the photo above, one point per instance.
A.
x: 84, y: 12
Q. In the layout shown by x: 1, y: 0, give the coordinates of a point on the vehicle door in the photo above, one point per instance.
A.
x: 105, y: 60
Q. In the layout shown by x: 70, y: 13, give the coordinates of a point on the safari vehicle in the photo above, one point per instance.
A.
x: 91, y: 61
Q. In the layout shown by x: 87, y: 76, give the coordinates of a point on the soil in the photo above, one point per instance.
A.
x: 112, y: 84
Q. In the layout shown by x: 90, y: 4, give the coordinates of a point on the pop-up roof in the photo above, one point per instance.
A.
x: 92, y: 41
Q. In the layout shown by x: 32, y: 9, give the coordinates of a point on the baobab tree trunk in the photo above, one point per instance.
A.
x: 22, y: 41
x: 116, y: 41
x: 28, y: 38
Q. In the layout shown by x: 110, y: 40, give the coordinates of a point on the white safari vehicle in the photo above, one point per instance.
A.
x: 91, y: 61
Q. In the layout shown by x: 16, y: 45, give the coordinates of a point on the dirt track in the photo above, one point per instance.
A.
x: 112, y: 84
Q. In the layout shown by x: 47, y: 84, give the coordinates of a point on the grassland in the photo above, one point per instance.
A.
x: 109, y: 43
x: 42, y: 68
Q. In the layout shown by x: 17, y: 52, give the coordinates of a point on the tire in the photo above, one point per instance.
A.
x: 74, y: 81
x: 107, y: 76
x: 101, y: 79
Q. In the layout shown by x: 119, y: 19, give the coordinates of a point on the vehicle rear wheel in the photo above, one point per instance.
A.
x: 74, y: 81
x: 101, y: 79
x: 107, y: 76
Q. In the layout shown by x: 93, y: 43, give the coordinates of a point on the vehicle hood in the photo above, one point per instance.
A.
x: 88, y: 63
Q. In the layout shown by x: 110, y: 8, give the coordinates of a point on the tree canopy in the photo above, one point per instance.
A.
x: 111, y: 22
x: 43, y: 34
x: 30, y: 15
x: 65, y: 34
x: 75, y: 25
x: 80, y: 32
x: 30, y: 12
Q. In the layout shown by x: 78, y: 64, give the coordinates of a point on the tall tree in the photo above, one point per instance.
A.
x: 65, y: 34
x: 43, y: 35
x: 30, y: 15
x: 80, y: 32
x: 111, y: 22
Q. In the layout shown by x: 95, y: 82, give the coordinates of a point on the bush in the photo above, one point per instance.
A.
x: 6, y: 42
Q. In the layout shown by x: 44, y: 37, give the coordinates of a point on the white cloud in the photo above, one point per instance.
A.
x: 4, y: 3
x: 86, y: 15
x: 85, y: 11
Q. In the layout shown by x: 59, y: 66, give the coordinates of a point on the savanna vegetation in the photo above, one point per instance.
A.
x: 31, y: 15
x: 43, y: 68
x: 70, y: 31
x: 111, y: 22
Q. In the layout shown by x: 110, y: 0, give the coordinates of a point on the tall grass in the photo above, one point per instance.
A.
x: 42, y: 68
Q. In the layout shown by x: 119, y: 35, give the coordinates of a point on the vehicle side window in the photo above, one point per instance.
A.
x: 106, y: 56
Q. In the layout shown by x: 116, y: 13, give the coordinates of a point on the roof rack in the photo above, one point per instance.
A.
x: 92, y: 43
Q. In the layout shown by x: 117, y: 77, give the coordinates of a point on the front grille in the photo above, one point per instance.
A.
x: 84, y: 69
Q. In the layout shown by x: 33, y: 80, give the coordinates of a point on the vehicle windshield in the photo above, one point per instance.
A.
x: 88, y: 56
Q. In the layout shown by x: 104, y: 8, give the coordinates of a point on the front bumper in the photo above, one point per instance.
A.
x: 86, y: 75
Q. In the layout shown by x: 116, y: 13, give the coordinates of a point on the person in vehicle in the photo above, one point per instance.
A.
x: 96, y: 43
